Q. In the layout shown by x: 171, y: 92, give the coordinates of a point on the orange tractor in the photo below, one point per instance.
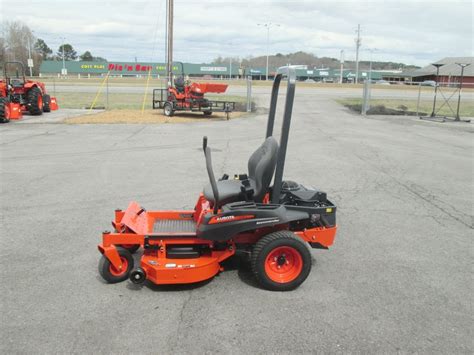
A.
x: 188, y: 96
x: 18, y: 95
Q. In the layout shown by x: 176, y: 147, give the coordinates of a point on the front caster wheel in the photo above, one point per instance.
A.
x: 138, y: 276
x: 281, y: 261
x: 113, y: 275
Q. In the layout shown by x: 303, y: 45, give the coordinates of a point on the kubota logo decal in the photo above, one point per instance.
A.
x: 231, y: 218
x: 224, y: 219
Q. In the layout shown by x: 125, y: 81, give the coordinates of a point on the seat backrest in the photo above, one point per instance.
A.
x: 17, y: 83
x: 262, y: 166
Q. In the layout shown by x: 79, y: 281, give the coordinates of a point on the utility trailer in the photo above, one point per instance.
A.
x: 170, y: 102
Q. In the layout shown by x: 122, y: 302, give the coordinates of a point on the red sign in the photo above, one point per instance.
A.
x: 129, y: 67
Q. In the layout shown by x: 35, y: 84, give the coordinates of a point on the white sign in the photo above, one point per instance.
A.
x: 30, y: 63
x: 224, y: 69
x: 323, y: 73
x: 309, y: 72
x: 364, y: 74
x: 64, y: 71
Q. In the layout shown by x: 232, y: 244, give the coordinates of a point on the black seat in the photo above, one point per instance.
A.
x: 261, y: 167
x: 17, y: 83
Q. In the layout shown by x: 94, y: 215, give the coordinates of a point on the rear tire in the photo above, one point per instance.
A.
x: 207, y: 113
x: 46, y: 103
x: 35, y: 101
x: 280, y: 261
x: 110, y: 274
x: 3, y: 110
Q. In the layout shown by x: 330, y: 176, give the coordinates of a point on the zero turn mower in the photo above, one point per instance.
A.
x: 274, y: 225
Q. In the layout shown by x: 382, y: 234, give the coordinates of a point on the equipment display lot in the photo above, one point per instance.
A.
x: 398, y: 278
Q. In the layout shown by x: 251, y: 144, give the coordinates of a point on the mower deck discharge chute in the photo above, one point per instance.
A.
x: 18, y: 95
x: 272, y: 225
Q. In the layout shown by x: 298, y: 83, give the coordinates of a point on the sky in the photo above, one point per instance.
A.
x: 413, y: 32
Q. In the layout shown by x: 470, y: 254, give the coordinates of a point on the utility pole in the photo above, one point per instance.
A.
x: 358, y: 42
x: 268, y: 26
x: 169, y: 60
x: 230, y: 68
x: 342, y: 65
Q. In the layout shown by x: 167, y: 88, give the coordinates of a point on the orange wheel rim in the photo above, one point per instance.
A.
x: 283, y: 264
x: 40, y: 101
x: 119, y: 272
x: 7, y: 111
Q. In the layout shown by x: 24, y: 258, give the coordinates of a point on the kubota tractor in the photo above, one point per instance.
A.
x: 17, y: 95
x: 189, y: 96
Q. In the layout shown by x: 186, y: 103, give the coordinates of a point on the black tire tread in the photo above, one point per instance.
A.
x: 3, y: 101
x: 33, y: 102
x: 46, y: 103
x: 171, y: 109
x: 104, y: 264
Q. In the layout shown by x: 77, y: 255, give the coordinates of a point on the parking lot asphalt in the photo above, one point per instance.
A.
x: 398, y: 279
x: 54, y: 116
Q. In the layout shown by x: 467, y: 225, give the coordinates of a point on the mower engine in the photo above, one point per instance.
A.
x: 323, y: 211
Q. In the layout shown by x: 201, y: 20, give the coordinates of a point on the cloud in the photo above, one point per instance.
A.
x: 416, y: 32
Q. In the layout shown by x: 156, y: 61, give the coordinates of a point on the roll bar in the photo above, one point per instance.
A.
x: 290, y: 72
x: 182, y: 68
x: 20, y: 64
x: 210, y: 172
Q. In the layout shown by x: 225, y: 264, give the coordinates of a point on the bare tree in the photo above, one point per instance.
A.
x: 18, y: 37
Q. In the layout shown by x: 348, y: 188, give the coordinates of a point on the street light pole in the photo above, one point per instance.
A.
x: 268, y: 26
x: 371, y: 50
x: 462, y: 65
x: 437, y: 66
x: 29, y: 56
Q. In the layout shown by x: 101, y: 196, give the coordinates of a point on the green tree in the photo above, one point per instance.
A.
x: 86, y: 57
x: 69, y: 52
x: 42, y: 48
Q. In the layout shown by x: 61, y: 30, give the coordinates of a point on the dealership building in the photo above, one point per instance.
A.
x: 449, y: 71
x: 207, y: 71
